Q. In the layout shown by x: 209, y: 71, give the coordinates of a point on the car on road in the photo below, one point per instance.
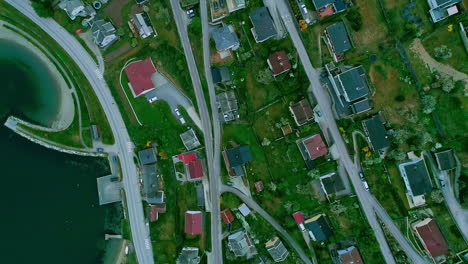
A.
x: 221, y: 3
x: 366, y: 185
x: 152, y: 99
x: 229, y: 183
x: 215, y: 6
x: 176, y: 110
x: 100, y: 150
x: 318, y: 112
x: 182, y: 120
x: 361, y: 175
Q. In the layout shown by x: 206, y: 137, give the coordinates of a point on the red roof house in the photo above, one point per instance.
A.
x: 298, y: 217
x: 227, y: 216
x: 153, y: 213
x: 187, y: 158
x: 350, y: 255
x: 279, y: 62
x: 431, y: 237
x: 259, y: 186
x: 195, y: 168
x: 315, y: 146
x: 193, y: 222
x: 139, y: 76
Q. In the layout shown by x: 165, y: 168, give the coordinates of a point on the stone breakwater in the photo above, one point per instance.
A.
x: 12, y: 123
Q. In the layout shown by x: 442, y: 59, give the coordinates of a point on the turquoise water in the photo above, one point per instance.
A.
x: 50, y: 211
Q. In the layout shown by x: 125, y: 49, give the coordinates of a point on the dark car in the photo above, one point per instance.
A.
x: 215, y: 6
x: 100, y: 150
x: 221, y: 3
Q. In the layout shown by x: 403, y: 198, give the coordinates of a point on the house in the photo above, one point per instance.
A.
x: 141, y: 23
x: 376, y: 133
x: 234, y: 5
x: 312, y: 147
x: 73, y: 8
x: 349, y: 255
x: 328, y: 7
x: 286, y: 129
x: 446, y: 160
x: 152, y: 213
x: 220, y: 75
x: 331, y: 184
x: 244, y: 209
x: 225, y: 39
x: 259, y: 186
x: 431, y: 238
x: 150, y: 180
x: 140, y: 75
x: 279, y: 63
x: 200, y: 194
x: 302, y: 112
x: 350, y: 90
x: 235, y: 159
x: 228, y: 106
x: 337, y: 40
x: 147, y: 156
x: 193, y: 222
x: 263, y: 26
x: 192, y: 164
x: 277, y: 250
x: 104, y: 33
x: 190, y: 140
x: 227, y: 216
x: 417, y: 181
x: 318, y: 228
x: 299, y: 218
x: 241, y: 244
x: 188, y: 255
x: 441, y: 9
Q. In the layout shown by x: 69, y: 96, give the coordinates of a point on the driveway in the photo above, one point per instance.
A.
x: 167, y: 91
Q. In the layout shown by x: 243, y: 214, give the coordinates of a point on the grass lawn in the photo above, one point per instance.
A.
x: 452, y: 40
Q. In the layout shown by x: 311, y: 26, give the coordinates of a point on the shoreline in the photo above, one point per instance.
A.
x: 65, y: 110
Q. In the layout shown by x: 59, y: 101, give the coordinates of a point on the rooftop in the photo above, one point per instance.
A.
x: 188, y: 255
x: 353, y: 83
x: 139, y: 75
x: 315, y: 146
x: 147, y: 156
x: 193, y: 222
x: 244, y: 209
x: 332, y: 183
x: 302, y: 112
x: 241, y: 244
x: 446, y: 160
x: 318, y: 227
x: 195, y: 168
x: 225, y: 38
x: 227, y: 216
x: 350, y: 255
x: 151, y: 184
x: 431, y: 237
x: 263, y: 27
x: 416, y: 175
x: 239, y: 156
x: 376, y: 132
x: 276, y: 249
x: 220, y: 74
x: 190, y: 140
x: 298, y: 217
x: 279, y: 62
x: 338, y: 37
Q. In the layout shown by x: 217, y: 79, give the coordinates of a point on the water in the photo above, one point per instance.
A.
x: 49, y: 202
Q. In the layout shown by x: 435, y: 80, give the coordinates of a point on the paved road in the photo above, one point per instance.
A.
x: 212, y: 152
x: 215, y: 176
x: 366, y: 200
x: 140, y: 232
x: 252, y: 204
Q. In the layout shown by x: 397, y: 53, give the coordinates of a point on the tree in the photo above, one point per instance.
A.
x: 43, y: 8
x: 314, y: 174
x: 442, y: 52
x: 428, y: 104
x: 447, y: 83
x: 354, y: 19
x: 397, y: 155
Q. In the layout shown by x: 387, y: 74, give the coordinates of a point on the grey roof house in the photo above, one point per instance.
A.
x: 225, y: 38
x: 338, y: 40
x: 104, y: 33
x: 376, y: 133
x: 241, y: 244
x: 151, y: 191
x: 142, y: 24
x: 236, y: 158
x: 338, y: 5
x: 331, y: 184
x: 441, y: 9
x: 188, y: 255
x: 227, y: 105
x: 446, y: 160
x: 318, y: 227
x: 190, y: 140
x: 417, y: 181
x: 147, y: 156
x: 277, y: 250
x: 263, y: 26
x: 220, y: 75
x: 73, y: 8
x: 350, y: 90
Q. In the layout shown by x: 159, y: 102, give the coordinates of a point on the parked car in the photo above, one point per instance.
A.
x: 221, y: 3
x: 366, y: 186
x: 215, y: 6
x: 191, y: 13
x: 100, y: 150
x: 177, y: 112
x: 182, y: 120
x: 152, y: 99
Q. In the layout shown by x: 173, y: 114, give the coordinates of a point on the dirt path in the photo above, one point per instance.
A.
x: 419, y: 49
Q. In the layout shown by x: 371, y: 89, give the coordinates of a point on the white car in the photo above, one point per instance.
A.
x: 182, y: 120
x: 152, y: 99
x: 177, y: 111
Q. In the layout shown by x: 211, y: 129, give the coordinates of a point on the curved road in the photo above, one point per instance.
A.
x: 252, y: 204
x: 368, y: 203
x: 140, y: 232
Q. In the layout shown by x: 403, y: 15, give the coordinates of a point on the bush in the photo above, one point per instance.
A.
x: 400, y: 98
x: 428, y: 104
x: 442, y: 52
x: 354, y: 19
